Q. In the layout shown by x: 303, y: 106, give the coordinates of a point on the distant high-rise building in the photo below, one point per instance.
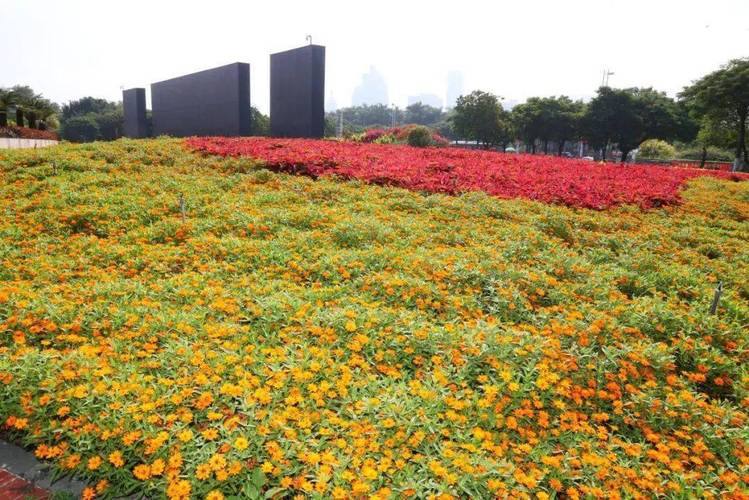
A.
x: 428, y: 99
x: 454, y: 88
x: 372, y: 90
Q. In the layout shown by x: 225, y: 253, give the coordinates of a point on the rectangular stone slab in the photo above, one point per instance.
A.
x: 297, y: 92
x: 211, y: 102
x: 134, y: 109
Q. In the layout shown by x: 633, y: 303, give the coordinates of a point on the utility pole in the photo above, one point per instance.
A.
x: 605, y: 77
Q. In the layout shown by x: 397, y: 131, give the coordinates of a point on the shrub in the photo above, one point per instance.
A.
x: 657, y: 150
x: 80, y: 129
x: 27, y: 133
x: 420, y: 137
x: 713, y: 154
x: 111, y: 124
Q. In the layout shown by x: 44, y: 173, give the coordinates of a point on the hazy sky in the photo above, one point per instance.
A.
x: 71, y: 48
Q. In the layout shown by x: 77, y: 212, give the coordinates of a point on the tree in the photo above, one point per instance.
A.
x: 259, y: 123
x: 716, y: 133
x: 81, y: 128
x: 479, y: 116
x: 28, y: 104
x: 612, y: 117
x: 356, y: 119
x: 86, y: 105
x: 662, y: 117
x: 527, y: 120
x: 725, y: 92
x: 7, y: 99
x: 445, y: 127
x: 78, y: 116
x: 423, y: 114
x: 626, y: 117
x: 548, y: 119
x: 111, y: 124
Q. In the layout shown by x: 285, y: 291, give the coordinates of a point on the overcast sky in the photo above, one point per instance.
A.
x: 67, y: 49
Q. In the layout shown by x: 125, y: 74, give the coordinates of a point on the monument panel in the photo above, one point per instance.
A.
x: 297, y: 92
x: 211, y: 102
x: 134, y: 109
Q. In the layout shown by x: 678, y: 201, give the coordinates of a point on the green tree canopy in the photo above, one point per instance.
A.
x: 259, y: 123
x: 423, y: 114
x: 724, y: 94
x: 90, y: 119
x: 626, y: 117
x: 87, y: 105
x: 35, y: 106
x: 479, y: 116
x: 548, y: 119
x: 82, y: 128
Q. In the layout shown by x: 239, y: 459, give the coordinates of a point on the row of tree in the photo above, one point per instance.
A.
x: 21, y: 106
x: 711, y: 112
x: 356, y: 119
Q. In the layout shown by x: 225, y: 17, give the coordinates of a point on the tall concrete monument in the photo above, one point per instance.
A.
x: 297, y: 92
x: 134, y: 109
x: 211, y: 102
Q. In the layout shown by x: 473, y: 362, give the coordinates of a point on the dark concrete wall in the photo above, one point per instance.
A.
x: 211, y: 102
x: 297, y: 92
x: 134, y: 109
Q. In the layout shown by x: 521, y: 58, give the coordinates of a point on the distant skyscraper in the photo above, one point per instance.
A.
x: 428, y: 99
x: 454, y: 88
x: 372, y: 90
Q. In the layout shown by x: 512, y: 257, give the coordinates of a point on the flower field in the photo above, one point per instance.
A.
x: 183, y: 325
x: 576, y: 183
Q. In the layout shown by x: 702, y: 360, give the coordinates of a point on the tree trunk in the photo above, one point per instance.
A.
x: 703, y: 158
x: 546, y: 146
x: 32, y: 119
x: 19, y: 117
x: 742, y: 139
x: 3, y: 119
x: 741, y: 156
x: 603, y: 153
x: 625, y: 152
x: 560, y: 150
x: 533, y: 147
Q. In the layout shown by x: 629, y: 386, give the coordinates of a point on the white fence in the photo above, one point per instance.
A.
x: 14, y: 143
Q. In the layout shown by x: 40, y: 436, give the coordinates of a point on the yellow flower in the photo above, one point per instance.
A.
x: 142, y: 472
x: 203, y: 471
x: 178, y: 490
x: 350, y: 326
x: 94, y: 463
x: 214, y: 495
x: 115, y: 458
x: 241, y: 443
x: 157, y: 467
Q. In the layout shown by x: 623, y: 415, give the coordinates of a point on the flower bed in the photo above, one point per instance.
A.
x: 14, y: 132
x: 575, y: 183
x: 169, y: 328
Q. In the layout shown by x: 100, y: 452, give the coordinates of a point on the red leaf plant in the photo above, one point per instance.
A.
x: 572, y: 182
